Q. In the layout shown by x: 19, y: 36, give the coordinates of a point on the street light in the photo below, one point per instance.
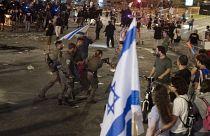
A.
x: 139, y: 3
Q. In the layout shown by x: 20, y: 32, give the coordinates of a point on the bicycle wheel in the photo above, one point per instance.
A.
x: 145, y: 112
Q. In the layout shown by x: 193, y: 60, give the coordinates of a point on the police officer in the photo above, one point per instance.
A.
x: 93, y: 64
x: 55, y: 74
x: 66, y: 69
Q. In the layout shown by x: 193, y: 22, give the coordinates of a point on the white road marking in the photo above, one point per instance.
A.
x: 98, y: 45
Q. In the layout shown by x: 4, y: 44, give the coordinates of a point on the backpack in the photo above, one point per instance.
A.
x: 190, y: 117
x: 206, y: 120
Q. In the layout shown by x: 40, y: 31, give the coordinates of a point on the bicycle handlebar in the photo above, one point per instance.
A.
x: 152, y: 79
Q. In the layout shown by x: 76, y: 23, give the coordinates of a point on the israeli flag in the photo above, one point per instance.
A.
x: 80, y: 30
x: 123, y: 116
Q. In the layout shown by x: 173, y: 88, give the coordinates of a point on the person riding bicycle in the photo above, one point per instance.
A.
x: 162, y: 66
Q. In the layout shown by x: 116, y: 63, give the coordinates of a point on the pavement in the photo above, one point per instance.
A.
x: 23, y: 72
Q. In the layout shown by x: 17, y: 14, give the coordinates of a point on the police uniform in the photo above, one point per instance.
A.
x: 66, y: 76
x: 93, y: 64
x: 55, y: 74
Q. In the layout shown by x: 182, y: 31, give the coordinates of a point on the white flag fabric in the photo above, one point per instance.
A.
x: 80, y: 30
x: 123, y: 105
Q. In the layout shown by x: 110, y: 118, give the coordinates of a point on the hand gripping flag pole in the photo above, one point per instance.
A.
x: 123, y: 116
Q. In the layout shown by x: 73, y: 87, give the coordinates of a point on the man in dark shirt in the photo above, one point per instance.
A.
x: 157, y: 34
x: 109, y: 33
x: 183, y: 71
x: 193, y: 39
x: 2, y: 17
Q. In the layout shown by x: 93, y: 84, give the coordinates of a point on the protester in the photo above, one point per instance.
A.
x: 166, y: 40
x: 2, y: 18
x: 49, y: 33
x: 160, y: 113
x: 191, y: 23
x: 58, y: 26
x: 202, y: 107
x: 157, y: 34
x: 109, y: 33
x: 180, y: 108
x: 183, y: 71
x: 202, y: 71
x: 99, y: 26
x: 194, y: 41
x: 162, y: 66
x: 28, y: 21
x: 177, y: 37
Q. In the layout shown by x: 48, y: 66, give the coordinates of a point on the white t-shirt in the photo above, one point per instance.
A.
x: 154, y: 119
x: 180, y: 109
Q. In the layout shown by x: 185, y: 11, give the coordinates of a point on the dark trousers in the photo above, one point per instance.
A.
x: 108, y: 39
x: 97, y: 34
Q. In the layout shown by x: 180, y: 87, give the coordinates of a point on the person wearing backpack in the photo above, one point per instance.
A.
x: 180, y: 109
x: 202, y: 102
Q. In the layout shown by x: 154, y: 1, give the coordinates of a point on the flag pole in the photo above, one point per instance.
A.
x: 134, y: 126
x: 134, y: 123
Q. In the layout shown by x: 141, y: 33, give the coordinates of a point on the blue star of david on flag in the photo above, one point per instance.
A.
x: 115, y: 98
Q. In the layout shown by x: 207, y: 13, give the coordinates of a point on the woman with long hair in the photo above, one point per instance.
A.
x: 180, y: 109
x: 161, y: 111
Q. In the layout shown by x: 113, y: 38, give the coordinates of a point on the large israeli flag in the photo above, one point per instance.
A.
x: 123, y: 116
x: 80, y: 30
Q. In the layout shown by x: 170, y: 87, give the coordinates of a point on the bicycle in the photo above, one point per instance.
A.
x: 147, y: 103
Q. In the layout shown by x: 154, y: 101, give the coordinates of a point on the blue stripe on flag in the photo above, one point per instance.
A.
x: 135, y: 98
x: 66, y: 36
x: 118, y: 124
x: 74, y: 32
x: 130, y: 37
x: 129, y: 128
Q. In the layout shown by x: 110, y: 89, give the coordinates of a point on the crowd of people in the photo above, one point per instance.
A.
x: 170, y: 113
x: 40, y: 13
